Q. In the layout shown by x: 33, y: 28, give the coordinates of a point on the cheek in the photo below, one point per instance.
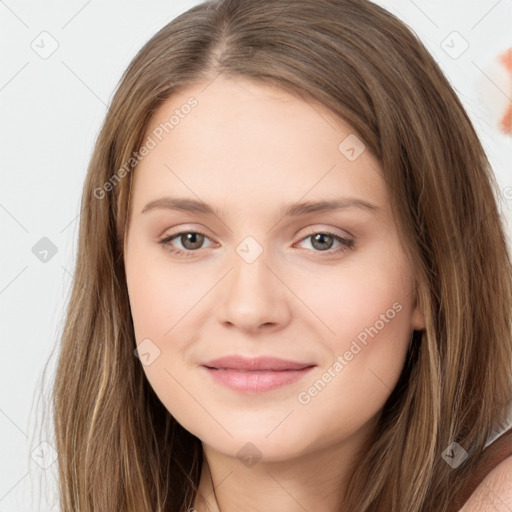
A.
x: 160, y: 294
x: 366, y: 315
x: 349, y: 302
x: 159, y: 300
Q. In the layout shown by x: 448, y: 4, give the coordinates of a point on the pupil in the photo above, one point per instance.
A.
x: 189, y: 237
x: 320, y: 236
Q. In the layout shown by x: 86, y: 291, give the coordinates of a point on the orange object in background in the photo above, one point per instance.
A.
x: 505, y: 124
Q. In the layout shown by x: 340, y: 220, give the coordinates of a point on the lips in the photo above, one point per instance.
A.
x: 243, y: 364
x: 255, y: 375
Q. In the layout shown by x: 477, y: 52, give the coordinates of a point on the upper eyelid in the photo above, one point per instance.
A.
x: 343, y: 234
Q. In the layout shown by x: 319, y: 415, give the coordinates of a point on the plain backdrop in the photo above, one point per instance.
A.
x: 61, y: 62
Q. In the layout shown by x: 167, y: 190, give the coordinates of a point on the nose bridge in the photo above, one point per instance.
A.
x: 253, y: 294
x: 252, y: 278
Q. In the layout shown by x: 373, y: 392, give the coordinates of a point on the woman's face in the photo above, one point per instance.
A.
x: 258, y: 275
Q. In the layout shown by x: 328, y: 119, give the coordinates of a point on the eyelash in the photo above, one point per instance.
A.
x: 346, y: 244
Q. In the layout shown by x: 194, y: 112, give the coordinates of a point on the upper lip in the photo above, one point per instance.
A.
x: 255, y: 364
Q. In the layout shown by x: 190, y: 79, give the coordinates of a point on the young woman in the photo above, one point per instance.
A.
x: 292, y: 290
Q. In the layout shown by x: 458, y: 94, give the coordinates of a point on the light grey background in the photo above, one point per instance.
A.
x: 52, y: 108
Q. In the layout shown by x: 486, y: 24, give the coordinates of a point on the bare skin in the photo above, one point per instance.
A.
x: 495, y: 491
x: 249, y: 150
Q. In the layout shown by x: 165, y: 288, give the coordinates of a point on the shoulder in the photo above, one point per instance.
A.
x: 494, y: 493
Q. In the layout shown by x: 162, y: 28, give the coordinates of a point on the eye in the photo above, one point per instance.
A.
x: 324, y: 240
x: 191, y: 241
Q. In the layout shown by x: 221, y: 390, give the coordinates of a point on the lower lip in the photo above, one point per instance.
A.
x: 256, y: 382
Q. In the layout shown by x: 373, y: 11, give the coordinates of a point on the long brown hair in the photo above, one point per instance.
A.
x: 119, y: 448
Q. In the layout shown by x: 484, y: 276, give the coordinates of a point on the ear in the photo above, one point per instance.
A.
x: 417, y: 318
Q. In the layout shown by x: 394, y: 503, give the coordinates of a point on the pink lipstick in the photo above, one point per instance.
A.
x: 256, y: 375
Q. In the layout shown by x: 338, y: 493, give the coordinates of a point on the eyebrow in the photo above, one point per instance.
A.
x: 290, y: 210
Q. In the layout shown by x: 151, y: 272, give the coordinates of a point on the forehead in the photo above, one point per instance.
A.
x: 252, y: 142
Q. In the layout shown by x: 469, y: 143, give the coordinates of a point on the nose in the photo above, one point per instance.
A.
x: 254, y: 296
